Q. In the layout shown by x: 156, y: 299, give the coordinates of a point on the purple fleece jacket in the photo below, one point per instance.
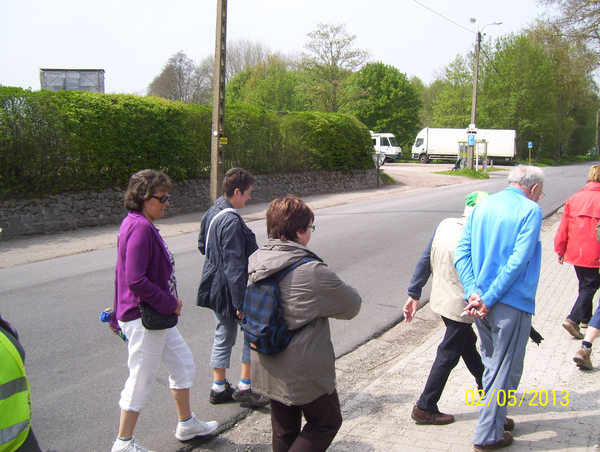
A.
x: 143, y: 270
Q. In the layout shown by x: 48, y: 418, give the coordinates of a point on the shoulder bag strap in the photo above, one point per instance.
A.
x: 228, y: 209
x: 281, y: 273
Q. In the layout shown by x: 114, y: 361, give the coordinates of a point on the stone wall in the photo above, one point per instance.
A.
x: 70, y: 211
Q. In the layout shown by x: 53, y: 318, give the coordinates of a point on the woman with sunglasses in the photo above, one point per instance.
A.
x: 145, y: 272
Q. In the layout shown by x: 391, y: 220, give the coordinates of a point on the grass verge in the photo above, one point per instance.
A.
x: 466, y: 173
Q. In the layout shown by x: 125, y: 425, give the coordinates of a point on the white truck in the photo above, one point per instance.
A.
x: 446, y: 144
x: 386, y: 143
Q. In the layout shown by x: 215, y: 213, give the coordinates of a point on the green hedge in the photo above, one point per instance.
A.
x: 327, y: 141
x: 67, y: 141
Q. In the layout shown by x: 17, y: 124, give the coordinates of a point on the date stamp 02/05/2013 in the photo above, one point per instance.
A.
x: 529, y: 397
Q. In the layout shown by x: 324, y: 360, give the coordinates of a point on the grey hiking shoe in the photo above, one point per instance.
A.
x: 249, y: 398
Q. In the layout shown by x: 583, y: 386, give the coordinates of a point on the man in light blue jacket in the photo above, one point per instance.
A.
x: 498, y: 259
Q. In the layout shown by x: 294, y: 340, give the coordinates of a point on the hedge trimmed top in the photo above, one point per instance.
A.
x: 63, y: 141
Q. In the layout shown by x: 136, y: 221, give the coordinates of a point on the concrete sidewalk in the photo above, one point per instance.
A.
x: 559, y: 404
x: 560, y: 407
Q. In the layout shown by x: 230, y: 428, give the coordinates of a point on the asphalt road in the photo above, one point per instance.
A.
x: 77, y: 369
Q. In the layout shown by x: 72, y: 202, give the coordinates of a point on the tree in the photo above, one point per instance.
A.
x: 242, y: 53
x: 270, y: 84
x: 237, y: 88
x: 536, y: 82
x: 203, y: 81
x: 542, y: 84
x: 428, y: 95
x: 517, y: 91
x: 324, y: 71
x: 182, y: 80
x: 385, y: 101
x: 574, y: 67
x: 452, y: 108
x: 579, y: 19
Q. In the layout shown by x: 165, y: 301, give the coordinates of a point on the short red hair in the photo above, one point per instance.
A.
x: 286, y: 216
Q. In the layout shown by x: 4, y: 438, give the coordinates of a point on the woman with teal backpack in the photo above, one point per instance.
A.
x: 300, y: 380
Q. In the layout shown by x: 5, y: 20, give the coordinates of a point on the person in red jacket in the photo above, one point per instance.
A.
x: 575, y: 243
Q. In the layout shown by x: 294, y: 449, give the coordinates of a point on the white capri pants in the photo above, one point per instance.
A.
x: 147, y: 349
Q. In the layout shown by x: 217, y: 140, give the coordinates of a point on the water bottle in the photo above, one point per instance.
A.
x: 105, y: 316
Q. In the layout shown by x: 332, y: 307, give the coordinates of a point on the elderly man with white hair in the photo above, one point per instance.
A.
x: 498, y: 259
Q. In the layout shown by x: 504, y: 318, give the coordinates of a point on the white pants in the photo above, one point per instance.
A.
x: 147, y: 349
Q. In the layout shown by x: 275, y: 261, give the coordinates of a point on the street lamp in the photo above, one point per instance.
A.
x: 475, y: 80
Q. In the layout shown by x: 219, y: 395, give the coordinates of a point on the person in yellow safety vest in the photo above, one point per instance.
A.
x: 15, y: 395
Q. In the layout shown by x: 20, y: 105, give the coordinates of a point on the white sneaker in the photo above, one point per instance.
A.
x: 193, y: 427
x: 128, y: 446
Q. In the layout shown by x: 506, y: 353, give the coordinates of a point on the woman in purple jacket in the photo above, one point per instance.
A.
x: 145, y: 272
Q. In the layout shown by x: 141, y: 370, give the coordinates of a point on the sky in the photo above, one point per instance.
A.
x: 133, y: 39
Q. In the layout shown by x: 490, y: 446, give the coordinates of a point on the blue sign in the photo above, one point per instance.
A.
x: 530, y: 144
x: 470, y: 139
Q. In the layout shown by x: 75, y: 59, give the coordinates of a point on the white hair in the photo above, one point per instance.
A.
x: 526, y: 176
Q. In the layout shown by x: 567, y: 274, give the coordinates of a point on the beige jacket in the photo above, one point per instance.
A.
x: 447, y: 293
x: 310, y: 295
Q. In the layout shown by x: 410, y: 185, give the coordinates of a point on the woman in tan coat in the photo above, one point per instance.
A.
x: 300, y: 380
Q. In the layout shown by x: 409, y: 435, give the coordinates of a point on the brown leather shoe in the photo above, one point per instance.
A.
x: 509, y: 424
x: 429, y: 417
x: 572, y: 328
x: 582, y: 358
x: 506, y: 440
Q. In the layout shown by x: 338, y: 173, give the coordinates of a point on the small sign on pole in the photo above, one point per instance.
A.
x: 470, y: 139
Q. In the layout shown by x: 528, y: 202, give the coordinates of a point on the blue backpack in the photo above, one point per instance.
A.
x: 265, y: 330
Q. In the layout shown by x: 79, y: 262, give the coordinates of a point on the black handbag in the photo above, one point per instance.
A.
x: 152, y: 320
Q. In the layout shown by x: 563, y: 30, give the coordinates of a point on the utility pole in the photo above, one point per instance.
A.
x: 474, y: 103
x: 472, y: 126
x: 218, y: 139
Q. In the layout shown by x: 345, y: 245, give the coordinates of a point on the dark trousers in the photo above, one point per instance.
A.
x: 30, y: 444
x: 589, y: 282
x: 459, y: 340
x: 323, y: 420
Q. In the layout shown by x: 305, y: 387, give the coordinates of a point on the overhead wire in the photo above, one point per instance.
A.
x: 489, y: 60
x: 443, y: 17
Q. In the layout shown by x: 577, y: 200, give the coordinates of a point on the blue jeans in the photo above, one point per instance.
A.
x: 225, y: 336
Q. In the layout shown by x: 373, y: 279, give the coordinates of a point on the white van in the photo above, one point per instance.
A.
x: 386, y: 143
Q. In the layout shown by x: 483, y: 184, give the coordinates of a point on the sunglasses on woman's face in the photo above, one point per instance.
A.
x: 163, y: 199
